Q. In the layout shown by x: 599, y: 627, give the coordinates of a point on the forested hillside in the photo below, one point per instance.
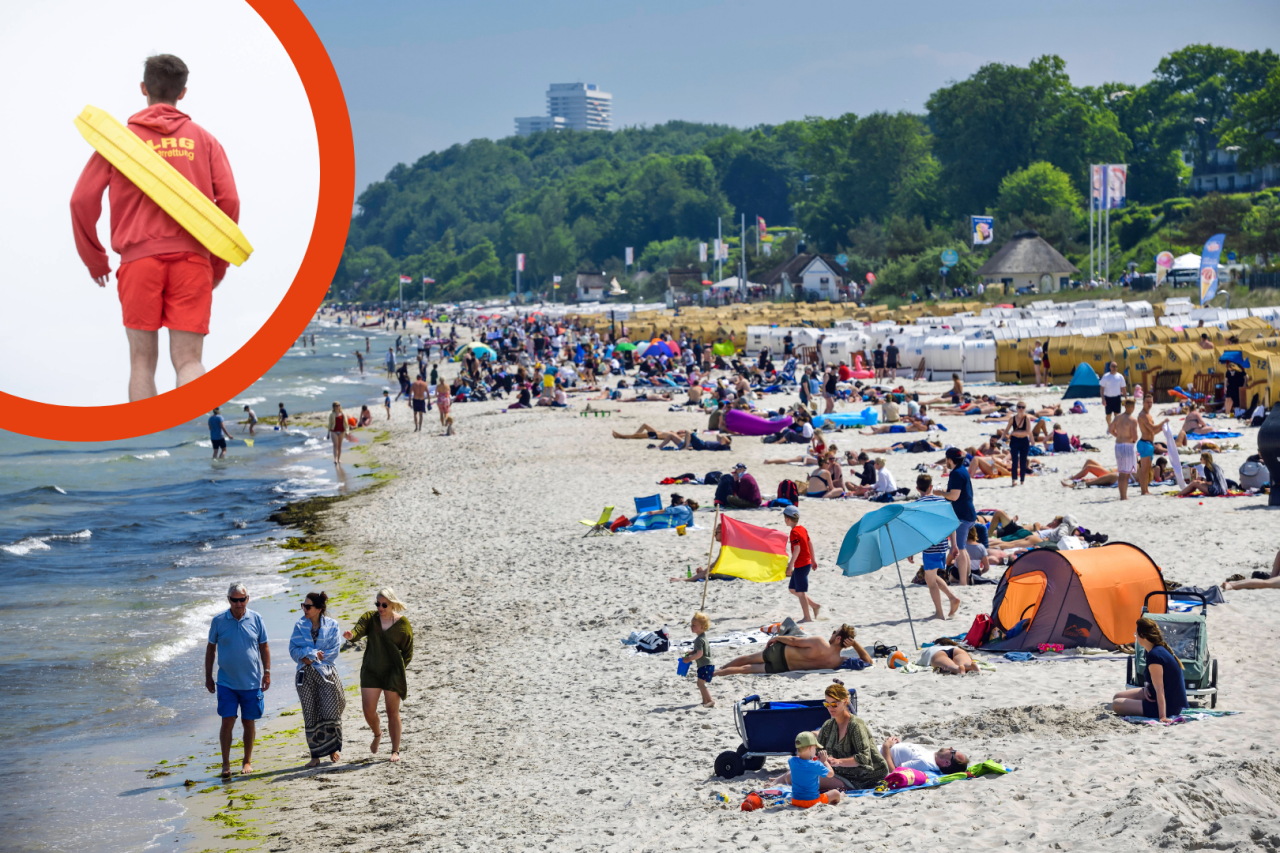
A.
x: 888, y: 189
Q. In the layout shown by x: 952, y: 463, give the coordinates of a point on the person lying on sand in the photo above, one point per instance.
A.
x: 688, y: 440
x: 1272, y: 582
x: 651, y: 433
x: 906, y: 445
x: 1092, y: 468
x: 915, y: 757
x: 796, y: 654
x: 908, y: 426
x: 947, y: 657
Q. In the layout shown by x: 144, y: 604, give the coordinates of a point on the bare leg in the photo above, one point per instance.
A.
x: 225, y: 734
x: 392, y: 700
x: 144, y: 353
x: 1272, y: 582
x: 250, y: 731
x: 804, y: 605
x: 962, y: 659
x: 369, y: 705
x: 1128, y: 702
x: 1144, y: 475
x: 707, y: 701
x: 944, y: 663
x: 937, y: 588
x: 186, y: 350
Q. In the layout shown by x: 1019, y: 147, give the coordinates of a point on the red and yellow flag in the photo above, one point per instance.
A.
x: 750, y: 552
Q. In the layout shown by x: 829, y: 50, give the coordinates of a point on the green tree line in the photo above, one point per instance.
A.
x: 889, y: 190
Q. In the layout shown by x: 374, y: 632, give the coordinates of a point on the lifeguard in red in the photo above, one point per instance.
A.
x: 166, y: 276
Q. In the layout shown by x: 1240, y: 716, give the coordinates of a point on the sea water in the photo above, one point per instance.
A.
x: 113, y: 558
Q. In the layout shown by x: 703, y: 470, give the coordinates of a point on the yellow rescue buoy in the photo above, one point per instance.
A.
x: 164, y: 185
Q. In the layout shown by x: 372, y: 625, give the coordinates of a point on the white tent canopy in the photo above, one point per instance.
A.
x: 733, y: 282
x: 1186, y: 262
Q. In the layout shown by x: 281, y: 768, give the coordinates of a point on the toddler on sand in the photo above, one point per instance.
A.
x: 701, y: 656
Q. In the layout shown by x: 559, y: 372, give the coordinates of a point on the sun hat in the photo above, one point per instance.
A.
x: 806, y: 739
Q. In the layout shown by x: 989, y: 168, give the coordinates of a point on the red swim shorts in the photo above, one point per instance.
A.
x: 174, y: 290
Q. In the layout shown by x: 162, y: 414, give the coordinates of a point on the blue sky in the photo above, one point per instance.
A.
x: 421, y: 76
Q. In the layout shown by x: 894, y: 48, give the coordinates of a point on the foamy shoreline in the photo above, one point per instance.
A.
x: 530, y: 726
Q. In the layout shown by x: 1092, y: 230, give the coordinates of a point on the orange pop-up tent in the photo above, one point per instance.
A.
x: 1092, y: 597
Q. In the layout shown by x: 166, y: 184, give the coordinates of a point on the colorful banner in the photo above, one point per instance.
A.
x: 702, y: 253
x: 750, y: 552
x: 555, y: 282
x: 1164, y: 263
x: 629, y: 254
x: 520, y: 261
x: 404, y: 279
x: 428, y: 280
x: 1097, y: 186
x: 1117, y: 180
x: 1209, y: 267
x: 983, y: 228
x: 760, y: 225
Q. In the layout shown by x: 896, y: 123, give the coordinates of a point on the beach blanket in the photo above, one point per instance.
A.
x: 1188, y: 716
x: 1199, y: 435
x: 933, y: 780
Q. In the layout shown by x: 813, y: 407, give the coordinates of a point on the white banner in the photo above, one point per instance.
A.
x: 520, y: 261
x: 702, y: 253
x: 628, y: 254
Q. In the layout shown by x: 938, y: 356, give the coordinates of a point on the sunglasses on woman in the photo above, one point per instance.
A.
x: 307, y: 605
x: 381, y: 605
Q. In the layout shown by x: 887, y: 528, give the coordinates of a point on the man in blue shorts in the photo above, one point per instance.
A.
x: 935, y: 557
x: 960, y: 493
x: 218, y: 434
x: 238, y: 638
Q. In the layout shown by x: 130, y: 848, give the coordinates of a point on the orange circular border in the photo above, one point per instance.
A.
x: 273, y: 340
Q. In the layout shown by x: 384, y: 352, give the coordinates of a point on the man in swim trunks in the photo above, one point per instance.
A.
x: 1125, y: 430
x: 1149, y: 429
x: 166, y: 276
x: 418, y: 395
x: 787, y: 654
x: 218, y: 434
x: 1112, y: 385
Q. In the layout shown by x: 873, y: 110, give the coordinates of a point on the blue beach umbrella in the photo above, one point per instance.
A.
x: 894, y: 531
x: 1234, y: 357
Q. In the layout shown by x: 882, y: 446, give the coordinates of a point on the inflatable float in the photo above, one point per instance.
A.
x: 745, y: 423
x: 164, y: 185
x: 860, y: 372
x: 867, y: 417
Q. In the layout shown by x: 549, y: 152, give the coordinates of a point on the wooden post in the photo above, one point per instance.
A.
x: 706, y: 581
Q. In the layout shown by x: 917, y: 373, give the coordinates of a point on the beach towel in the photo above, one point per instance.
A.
x: 1188, y: 716
x: 1200, y: 435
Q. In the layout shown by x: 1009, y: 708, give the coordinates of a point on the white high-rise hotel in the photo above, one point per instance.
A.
x: 576, y: 106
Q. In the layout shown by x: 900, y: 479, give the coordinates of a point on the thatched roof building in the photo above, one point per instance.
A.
x: 1027, y: 260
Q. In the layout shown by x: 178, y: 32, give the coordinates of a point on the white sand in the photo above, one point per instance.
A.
x: 529, y: 726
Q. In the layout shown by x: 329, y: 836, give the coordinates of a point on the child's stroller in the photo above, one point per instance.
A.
x: 1188, y: 635
x: 770, y: 728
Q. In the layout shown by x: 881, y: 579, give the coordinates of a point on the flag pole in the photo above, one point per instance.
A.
x: 903, y: 585
x: 706, y: 581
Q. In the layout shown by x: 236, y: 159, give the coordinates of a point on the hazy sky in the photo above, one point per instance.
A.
x: 420, y: 76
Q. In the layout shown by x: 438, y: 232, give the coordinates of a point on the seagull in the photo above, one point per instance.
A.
x: 1115, y: 96
x: 1232, y: 148
x: 1199, y: 120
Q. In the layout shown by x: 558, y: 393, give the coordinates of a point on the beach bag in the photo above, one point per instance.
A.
x: 905, y: 777
x: 712, y: 478
x: 978, y: 631
x: 1253, y: 475
x: 787, y: 491
x: 619, y: 522
x: 654, y: 642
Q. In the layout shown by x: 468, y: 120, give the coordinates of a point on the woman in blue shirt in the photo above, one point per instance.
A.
x: 314, y: 646
x: 1164, y: 691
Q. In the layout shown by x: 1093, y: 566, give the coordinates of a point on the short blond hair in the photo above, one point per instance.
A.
x: 702, y: 619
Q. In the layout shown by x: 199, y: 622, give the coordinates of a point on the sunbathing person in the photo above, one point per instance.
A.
x: 788, y: 654
x: 1272, y: 582
x: 1063, y: 525
x: 651, y: 433
x: 820, y: 485
x: 1193, y: 424
x: 920, y: 445
x: 989, y: 468
x: 806, y: 459
x: 947, y: 657
x: 688, y: 440
x: 905, y: 426
x: 1092, y: 468
x: 945, y: 760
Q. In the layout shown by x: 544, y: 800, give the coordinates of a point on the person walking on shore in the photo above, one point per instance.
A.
x: 337, y: 431
x: 238, y: 639
x: 314, y: 646
x: 218, y: 434
x: 418, y: 392
x: 382, y: 672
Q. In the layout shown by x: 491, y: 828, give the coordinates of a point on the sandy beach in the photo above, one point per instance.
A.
x: 530, y: 726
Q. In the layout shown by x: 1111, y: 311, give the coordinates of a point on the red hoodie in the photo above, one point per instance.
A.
x: 139, y: 228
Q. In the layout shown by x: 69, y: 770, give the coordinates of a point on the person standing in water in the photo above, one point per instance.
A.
x: 382, y: 672
x: 337, y: 431
x: 218, y: 434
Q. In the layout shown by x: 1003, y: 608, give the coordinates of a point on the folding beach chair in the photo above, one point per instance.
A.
x: 653, y: 503
x: 601, y: 525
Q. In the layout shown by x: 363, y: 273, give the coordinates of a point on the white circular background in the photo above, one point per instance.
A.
x: 61, y: 336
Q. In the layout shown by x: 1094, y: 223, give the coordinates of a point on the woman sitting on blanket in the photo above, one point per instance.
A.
x: 847, y: 746
x: 1194, y: 424
x: 1212, y: 484
x: 821, y: 484
x: 947, y: 657
x: 1164, y: 691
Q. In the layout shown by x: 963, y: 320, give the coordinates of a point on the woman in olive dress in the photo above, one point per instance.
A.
x: 382, y: 673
